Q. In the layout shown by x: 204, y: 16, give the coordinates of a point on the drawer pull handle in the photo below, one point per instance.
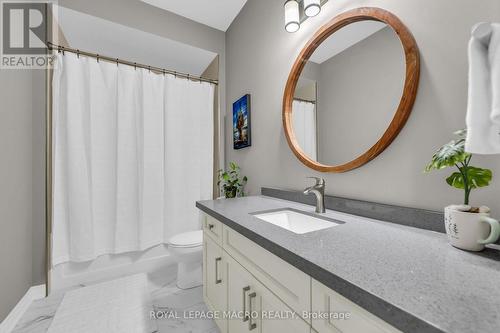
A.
x: 251, y: 325
x: 217, y: 280
x: 210, y: 226
x: 329, y: 309
x: 245, y: 317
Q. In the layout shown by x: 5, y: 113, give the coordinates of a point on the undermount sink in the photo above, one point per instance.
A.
x: 296, y: 221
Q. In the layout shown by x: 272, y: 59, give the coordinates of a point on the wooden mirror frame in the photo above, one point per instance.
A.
x: 407, y: 99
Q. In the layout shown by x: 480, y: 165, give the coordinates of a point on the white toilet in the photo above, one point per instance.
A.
x: 187, y: 249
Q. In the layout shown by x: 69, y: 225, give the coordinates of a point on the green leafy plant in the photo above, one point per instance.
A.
x: 230, y: 182
x: 467, y: 177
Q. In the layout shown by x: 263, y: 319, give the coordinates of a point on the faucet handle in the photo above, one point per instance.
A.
x: 319, y: 181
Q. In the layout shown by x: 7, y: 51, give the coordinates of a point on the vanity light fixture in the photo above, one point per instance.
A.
x: 312, y: 7
x: 297, y: 11
x: 292, y: 16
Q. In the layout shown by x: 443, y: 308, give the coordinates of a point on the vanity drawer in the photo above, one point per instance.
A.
x: 213, y: 229
x: 325, y: 300
x: 291, y: 285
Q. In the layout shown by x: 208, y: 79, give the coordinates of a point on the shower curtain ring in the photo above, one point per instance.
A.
x: 117, y: 62
x: 97, y: 57
x: 135, y: 65
x: 163, y: 72
x: 149, y: 69
x: 175, y: 75
x: 59, y: 49
x: 78, y: 53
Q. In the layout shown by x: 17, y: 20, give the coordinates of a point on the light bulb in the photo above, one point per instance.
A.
x: 292, y: 16
x: 312, y: 7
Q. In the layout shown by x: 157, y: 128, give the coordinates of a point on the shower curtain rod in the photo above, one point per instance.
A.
x: 303, y: 100
x: 159, y: 70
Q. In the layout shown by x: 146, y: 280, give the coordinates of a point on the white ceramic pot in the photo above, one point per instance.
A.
x: 470, y: 231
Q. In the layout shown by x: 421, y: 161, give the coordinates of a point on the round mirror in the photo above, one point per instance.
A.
x: 351, y: 90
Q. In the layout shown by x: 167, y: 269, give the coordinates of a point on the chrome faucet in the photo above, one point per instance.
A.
x: 319, y: 191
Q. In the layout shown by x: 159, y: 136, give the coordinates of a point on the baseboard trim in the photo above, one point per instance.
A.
x: 34, y: 293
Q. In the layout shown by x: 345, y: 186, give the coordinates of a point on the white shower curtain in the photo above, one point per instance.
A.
x: 304, y: 126
x: 133, y: 151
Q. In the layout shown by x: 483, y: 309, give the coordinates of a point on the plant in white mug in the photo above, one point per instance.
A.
x: 468, y: 228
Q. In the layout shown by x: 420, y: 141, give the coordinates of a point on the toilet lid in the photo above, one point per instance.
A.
x: 186, y: 239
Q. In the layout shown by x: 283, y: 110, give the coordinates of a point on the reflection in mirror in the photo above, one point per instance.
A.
x: 304, y: 116
x: 348, y: 92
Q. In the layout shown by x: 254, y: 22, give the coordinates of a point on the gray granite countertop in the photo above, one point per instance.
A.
x: 411, y: 278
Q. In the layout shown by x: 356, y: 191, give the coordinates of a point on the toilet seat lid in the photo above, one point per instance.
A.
x: 187, y: 239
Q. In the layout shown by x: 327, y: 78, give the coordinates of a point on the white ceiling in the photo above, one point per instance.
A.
x: 345, y: 38
x: 116, y: 40
x: 218, y: 14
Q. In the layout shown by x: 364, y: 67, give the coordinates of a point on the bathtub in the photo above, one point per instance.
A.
x: 155, y: 261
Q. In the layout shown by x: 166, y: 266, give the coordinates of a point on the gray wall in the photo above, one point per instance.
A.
x: 260, y: 54
x: 21, y: 195
x: 358, y: 92
x: 212, y: 72
x: 22, y: 141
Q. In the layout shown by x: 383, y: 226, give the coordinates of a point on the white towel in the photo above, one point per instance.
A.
x: 483, y: 133
x: 494, y: 59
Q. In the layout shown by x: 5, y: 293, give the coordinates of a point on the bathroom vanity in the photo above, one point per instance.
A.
x: 242, y: 276
x: 359, y: 275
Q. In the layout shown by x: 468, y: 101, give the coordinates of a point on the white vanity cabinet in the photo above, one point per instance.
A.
x: 240, y: 276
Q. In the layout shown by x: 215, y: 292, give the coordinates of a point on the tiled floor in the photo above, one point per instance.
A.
x: 177, y: 307
x: 181, y: 306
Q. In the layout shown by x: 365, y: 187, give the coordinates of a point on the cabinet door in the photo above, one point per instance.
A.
x: 214, y: 278
x: 241, y: 296
x: 266, y: 312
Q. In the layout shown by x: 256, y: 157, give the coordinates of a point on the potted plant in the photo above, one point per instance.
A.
x: 230, y: 183
x: 467, y: 227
